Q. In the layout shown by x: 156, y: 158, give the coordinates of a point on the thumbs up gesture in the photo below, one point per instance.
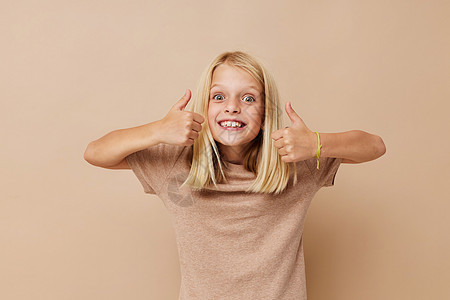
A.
x: 295, y: 143
x: 180, y: 127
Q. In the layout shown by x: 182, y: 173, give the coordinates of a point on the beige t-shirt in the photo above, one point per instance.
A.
x: 233, y: 244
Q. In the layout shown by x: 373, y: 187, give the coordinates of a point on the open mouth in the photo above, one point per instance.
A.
x: 229, y: 125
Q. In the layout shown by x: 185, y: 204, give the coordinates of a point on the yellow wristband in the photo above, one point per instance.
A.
x: 319, y: 146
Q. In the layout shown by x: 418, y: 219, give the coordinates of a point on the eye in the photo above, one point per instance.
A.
x: 253, y: 100
x: 219, y: 96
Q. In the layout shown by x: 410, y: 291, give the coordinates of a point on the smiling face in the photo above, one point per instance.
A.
x: 235, y: 95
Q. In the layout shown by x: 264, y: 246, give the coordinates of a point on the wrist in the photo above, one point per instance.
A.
x: 319, y: 147
x: 315, y: 143
x: 152, y: 134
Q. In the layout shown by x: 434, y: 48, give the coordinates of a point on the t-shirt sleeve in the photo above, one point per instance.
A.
x: 328, y: 167
x: 152, y: 165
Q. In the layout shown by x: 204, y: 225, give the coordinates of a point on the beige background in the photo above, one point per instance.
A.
x: 72, y: 71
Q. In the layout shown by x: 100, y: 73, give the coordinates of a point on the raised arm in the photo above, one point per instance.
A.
x: 110, y: 150
x: 355, y: 146
x: 298, y: 142
x: 178, y: 127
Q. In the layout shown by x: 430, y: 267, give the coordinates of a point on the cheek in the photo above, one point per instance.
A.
x: 212, y: 113
x: 259, y: 115
x: 211, y: 119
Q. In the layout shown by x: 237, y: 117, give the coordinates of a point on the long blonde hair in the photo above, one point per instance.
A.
x: 262, y: 157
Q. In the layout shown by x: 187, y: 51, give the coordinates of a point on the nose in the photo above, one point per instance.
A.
x: 232, y: 105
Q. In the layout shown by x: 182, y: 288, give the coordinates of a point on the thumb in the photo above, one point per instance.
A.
x: 295, y: 118
x: 181, y: 104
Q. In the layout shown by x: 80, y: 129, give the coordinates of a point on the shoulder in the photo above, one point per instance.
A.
x: 162, y: 155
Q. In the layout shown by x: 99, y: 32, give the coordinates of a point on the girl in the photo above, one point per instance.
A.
x: 236, y: 183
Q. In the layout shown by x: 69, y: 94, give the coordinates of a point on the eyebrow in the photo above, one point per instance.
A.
x: 250, y: 87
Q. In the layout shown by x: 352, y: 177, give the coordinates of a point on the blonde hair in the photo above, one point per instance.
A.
x: 262, y: 157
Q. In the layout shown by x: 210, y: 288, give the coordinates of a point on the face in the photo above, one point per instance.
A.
x: 234, y: 95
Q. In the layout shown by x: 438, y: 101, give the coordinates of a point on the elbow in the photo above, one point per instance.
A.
x: 380, y: 146
x: 89, y: 154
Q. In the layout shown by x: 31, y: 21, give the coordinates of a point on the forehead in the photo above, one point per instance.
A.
x: 247, y: 87
x: 234, y: 77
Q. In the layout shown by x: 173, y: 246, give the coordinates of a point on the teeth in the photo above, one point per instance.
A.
x: 231, y: 124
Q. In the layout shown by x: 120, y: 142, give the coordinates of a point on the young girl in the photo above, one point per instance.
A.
x: 237, y: 183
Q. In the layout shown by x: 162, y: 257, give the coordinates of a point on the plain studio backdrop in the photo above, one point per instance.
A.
x: 72, y: 71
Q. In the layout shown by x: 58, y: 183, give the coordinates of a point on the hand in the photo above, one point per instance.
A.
x: 180, y: 127
x: 295, y: 143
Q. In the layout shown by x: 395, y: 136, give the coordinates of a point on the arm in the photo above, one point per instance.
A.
x: 178, y: 127
x: 110, y: 150
x: 298, y: 142
x: 355, y: 146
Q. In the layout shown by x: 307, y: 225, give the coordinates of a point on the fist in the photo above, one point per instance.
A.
x: 295, y: 143
x: 180, y: 127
